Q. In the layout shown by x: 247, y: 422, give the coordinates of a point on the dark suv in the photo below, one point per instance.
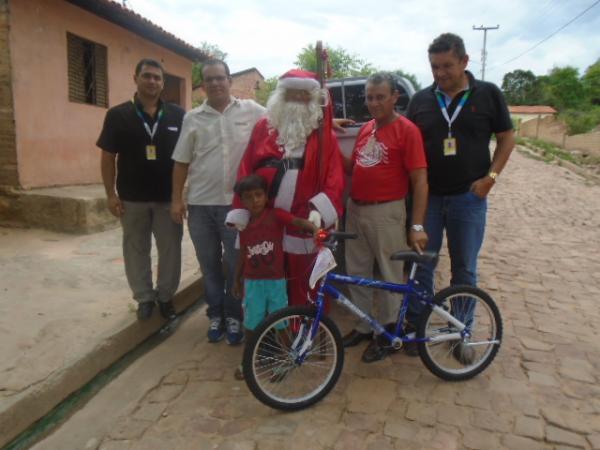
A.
x: 348, y: 97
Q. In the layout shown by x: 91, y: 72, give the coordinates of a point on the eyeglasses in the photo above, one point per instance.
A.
x: 151, y: 76
x: 218, y: 79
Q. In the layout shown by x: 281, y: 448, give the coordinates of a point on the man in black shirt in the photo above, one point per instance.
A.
x: 137, y: 141
x: 457, y: 116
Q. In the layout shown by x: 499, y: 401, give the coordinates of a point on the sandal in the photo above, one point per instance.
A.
x: 239, y: 373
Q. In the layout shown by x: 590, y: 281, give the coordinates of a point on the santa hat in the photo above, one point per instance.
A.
x: 298, y: 79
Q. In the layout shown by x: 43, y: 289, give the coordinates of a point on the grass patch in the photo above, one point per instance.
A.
x: 550, y: 152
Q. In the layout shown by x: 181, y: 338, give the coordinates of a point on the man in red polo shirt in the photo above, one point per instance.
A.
x: 387, y: 157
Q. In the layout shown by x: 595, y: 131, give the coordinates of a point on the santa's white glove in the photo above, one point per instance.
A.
x: 315, y: 218
x: 237, y: 218
x: 237, y: 226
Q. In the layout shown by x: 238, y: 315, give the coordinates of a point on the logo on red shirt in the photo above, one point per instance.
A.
x: 372, y: 153
x: 264, y: 248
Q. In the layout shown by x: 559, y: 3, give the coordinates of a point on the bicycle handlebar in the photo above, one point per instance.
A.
x: 340, y: 235
x: 324, y: 235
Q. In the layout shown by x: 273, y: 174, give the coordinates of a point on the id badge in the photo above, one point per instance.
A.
x: 151, y: 152
x: 450, y: 147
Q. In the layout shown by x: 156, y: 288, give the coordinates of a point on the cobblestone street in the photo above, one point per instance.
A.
x: 540, y: 262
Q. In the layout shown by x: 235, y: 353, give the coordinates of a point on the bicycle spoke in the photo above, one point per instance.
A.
x: 465, y: 357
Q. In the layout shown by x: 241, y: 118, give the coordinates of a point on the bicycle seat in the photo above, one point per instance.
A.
x: 414, y: 257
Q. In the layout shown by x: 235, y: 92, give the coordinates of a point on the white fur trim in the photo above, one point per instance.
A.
x: 298, y: 245
x: 306, y: 84
x: 237, y: 218
x: 328, y: 213
x: 287, y: 189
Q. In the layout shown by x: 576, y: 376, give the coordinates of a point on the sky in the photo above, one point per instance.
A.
x: 389, y: 34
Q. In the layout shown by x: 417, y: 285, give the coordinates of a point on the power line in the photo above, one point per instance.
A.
x: 552, y: 34
x: 548, y: 8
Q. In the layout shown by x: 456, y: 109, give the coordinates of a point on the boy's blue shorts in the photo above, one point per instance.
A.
x: 261, y: 298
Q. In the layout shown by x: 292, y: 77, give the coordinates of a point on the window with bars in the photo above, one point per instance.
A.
x: 88, y: 79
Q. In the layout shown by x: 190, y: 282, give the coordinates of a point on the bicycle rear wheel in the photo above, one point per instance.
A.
x: 462, y: 358
x: 282, y: 369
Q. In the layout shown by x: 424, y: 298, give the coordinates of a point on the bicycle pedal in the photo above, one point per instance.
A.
x: 396, y: 343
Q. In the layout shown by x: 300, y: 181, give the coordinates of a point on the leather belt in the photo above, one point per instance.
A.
x: 369, y: 203
x: 282, y: 166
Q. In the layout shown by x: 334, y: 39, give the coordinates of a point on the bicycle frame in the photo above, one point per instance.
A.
x: 410, y: 293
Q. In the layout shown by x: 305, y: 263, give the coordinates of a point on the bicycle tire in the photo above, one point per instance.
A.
x: 267, y: 352
x: 459, y: 360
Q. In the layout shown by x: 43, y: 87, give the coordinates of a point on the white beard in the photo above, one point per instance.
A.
x: 294, y: 121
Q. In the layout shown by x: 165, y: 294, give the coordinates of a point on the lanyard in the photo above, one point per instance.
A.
x: 151, y: 132
x: 458, y: 109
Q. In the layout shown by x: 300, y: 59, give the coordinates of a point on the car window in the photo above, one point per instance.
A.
x: 354, y: 96
x: 403, y: 99
x: 337, y: 102
x: 355, y: 103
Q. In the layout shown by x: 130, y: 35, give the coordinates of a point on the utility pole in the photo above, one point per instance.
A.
x: 483, y: 51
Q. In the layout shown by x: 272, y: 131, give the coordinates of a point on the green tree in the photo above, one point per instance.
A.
x: 581, y: 121
x: 521, y: 87
x: 343, y: 64
x: 262, y: 95
x: 563, y: 88
x: 214, y: 52
x: 591, y: 83
x: 409, y: 76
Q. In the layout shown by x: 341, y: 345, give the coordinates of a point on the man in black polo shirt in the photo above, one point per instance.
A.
x: 137, y: 142
x: 457, y: 116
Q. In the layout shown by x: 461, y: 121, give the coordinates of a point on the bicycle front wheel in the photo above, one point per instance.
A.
x: 287, y: 367
x: 460, y: 358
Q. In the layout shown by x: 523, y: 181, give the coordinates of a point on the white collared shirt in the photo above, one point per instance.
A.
x: 213, y: 144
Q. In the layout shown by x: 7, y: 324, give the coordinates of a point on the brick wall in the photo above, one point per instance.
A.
x: 548, y: 129
x: 8, y: 154
x: 244, y: 85
x: 588, y: 142
x: 552, y: 130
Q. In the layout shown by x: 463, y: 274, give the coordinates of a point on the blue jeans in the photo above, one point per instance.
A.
x: 215, y: 249
x: 463, y: 217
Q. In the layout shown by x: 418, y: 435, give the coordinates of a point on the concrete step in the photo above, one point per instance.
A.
x: 71, y: 209
x: 22, y: 410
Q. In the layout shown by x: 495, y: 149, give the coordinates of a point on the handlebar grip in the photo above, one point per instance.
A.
x: 342, y: 235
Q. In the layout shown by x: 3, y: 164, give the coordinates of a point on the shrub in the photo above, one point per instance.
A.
x: 581, y: 121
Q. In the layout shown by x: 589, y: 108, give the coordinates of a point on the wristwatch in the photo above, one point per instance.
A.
x: 417, y: 227
x: 493, y: 175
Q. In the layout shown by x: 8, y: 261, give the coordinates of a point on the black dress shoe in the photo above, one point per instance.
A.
x: 375, y: 351
x: 167, y: 310
x: 410, y: 348
x: 354, y: 338
x: 144, y: 311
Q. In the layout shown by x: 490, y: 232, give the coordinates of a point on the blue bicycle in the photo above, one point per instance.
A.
x: 296, y: 355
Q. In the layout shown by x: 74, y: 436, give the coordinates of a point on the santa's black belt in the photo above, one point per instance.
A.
x: 282, y: 166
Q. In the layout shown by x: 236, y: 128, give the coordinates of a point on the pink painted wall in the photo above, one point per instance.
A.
x: 56, y: 138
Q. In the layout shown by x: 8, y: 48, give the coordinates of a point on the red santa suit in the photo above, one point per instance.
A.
x: 308, y: 180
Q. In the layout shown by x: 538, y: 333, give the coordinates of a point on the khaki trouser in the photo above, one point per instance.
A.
x: 140, y: 221
x: 381, y: 230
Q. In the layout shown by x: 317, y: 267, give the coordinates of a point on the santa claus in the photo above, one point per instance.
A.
x: 304, y: 171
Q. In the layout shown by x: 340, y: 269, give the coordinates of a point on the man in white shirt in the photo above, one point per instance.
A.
x: 212, y: 141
